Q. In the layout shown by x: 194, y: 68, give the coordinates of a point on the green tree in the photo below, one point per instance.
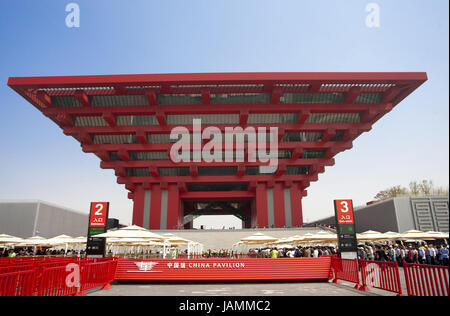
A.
x: 426, y: 187
x: 414, y: 188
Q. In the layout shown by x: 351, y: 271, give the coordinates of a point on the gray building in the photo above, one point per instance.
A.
x: 27, y: 218
x: 401, y: 214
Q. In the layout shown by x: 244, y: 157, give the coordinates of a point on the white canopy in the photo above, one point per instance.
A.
x: 131, y: 232
x: 33, y: 241
x: 370, y: 235
x: 8, y: 239
x: 414, y: 235
x: 259, y: 238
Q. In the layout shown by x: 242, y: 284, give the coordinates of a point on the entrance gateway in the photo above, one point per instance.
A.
x: 126, y: 120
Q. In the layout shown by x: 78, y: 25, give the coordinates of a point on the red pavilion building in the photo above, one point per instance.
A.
x: 126, y: 120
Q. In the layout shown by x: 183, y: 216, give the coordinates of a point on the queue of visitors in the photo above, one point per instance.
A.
x: 296, y: 252
x: 29, y: 252
x: 411, y: 253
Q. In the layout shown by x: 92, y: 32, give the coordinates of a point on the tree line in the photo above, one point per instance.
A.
x: 415, y: 188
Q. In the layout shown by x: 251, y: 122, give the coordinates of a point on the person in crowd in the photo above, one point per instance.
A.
x: 380, y: 254
x: 362, y: 253
x: 391, y: 254
x: 274, y: 253
x: 316, y: 253
x: 444, y: 255
x: 307, y: 252
x: 398, y: 255
x: 433, y: 253
x: 421, y: 255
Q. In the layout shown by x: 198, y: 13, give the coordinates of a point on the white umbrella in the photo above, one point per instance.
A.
x: 131, y: 232
x: 8, y: 239
x: 414, y: 235
x: 297, y: 238
x: 259, y: 238
x: 283, y: 241
x: 370, y: 235
x: 436, y: 235
x: 33, y: 241
x: 391, y: 235
x: 325, y: 236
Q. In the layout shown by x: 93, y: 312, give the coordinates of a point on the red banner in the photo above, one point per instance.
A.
x: 260, y: 269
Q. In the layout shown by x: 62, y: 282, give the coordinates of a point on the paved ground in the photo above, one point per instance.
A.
x: 246, y: 289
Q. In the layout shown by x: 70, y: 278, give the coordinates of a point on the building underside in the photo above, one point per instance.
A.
x: 126, y: 120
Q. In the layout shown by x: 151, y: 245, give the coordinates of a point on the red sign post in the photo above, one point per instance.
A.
x: 345, y: 227
x: 99, y: 214
x: 98, y: 218
x: 344, y: 212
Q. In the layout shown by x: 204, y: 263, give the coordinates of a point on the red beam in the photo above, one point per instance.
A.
x: 44, y: 98
x: 170, y: 164
x: 352, y: 94
x: 313, y: 127
x: 303, y: 116
x: 151, y: 97
x: 328, y: 135
x: 217, y: 195
x: 166, y: 146
x: 220, y: 179
x: 161, y: 117
x: 123, y: 154
x: 276, y: 94
x: 109, y: 118
x: 206, y: 97
x: 201, y: 109
x: 218, y: 78
x: 243, y: 118
x: 82, y: 98
x: 153, y: 171
x: 193, y: 170
x: 141, y: 137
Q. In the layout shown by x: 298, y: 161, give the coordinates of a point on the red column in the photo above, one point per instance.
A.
x: 173, y: 206
x: 138, y: 205
x: 261, y: 206
x: 278, y: 205
x: 296, y: 206
x: 155, y: 207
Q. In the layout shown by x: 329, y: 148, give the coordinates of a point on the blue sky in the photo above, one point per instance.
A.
x: 126, y: 37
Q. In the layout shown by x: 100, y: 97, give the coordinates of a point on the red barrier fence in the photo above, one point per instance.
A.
x: 97, y: 274
x: 17, y: 283
x: 55, y: 277
x: 426, y: 280
x: 380, y: 275
x: 346, y: 270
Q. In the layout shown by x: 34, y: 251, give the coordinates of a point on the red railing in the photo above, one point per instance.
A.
x: 426, y: 280
x: 55, y: 281
x: 346, y: 270
x: 19, y: 283
x: 97, y: 274
x: 380, y: 275
x: 55, y: 277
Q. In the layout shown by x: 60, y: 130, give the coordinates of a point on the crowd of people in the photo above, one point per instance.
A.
x: 411, y: 253
x: 30, y: 252
x: 420, y: 253
x: 295, y: 252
